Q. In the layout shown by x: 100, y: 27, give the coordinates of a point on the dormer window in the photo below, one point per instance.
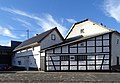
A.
x: 81, y: 30
x: 53, y: 37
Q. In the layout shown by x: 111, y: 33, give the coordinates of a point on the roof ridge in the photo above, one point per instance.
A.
x: 85, y: 21
x: 34, y: 39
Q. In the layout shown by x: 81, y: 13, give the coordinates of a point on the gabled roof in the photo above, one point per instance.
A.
x: 82, y: 22
x: 34, y: 41
x: 77, y: 39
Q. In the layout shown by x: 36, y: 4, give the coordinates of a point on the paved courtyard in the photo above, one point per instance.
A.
x: 59, y: 77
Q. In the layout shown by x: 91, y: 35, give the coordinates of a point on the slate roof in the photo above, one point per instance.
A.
x: 5, y: 48
x: 77, y: 39
x: 35, y: 40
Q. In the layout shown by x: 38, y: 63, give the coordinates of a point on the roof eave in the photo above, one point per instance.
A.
x: 75, y: 41
x: 25, y: 47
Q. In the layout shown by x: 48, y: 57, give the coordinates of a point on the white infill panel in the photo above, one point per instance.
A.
x: 56, y: 63
x: 65, y: 49
x: 49, y: 63
x: 98, y: 49
x: 91, y: 67
x: 91, y: 57
x: 91, y: 62
x: 106, y: 62
x: 57, y: 67
x: 73, y: 50
x: 105, y: 49
x: 99, y: 56
x: 105, y: 67
x: 64, y: 67
x: 58, y: 50
x: 98, y: 43
x: 98, y: 67
x: 56, y: 58
x: 50, y: 68
x: 90, y: 43
x: 106, y: 57
x: 82, y: 50
x: 82, y: 62
x: 73, y: 67
x: 90, y: 49
x: 82, y: 67
x: 73, y: 62
x: 99, y: 62
x: 106, y: 36
x: 105, y: 42
x: 64, y: 62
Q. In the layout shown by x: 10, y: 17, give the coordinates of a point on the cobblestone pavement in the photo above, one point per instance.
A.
x: 58, y: 77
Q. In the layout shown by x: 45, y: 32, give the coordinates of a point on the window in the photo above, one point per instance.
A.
x: 80, y: 58
x: 64, y: 58
x: 72, y: 57
x: 117, y: 41
x: 19, y: 62
x: 81, y: 30
x: 53, y: 37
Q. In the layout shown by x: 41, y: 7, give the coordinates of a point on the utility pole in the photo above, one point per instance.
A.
x: 28, y: 33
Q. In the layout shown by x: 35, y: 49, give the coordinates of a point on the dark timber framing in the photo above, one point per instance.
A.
x: 95, y: 55
x: 110, y: 43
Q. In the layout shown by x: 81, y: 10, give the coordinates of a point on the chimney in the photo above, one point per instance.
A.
x: 36, y: 34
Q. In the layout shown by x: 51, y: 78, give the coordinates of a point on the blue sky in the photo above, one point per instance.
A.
x: 18, y: 16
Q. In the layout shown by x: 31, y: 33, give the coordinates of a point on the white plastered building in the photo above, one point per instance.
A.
x: 28, y: 54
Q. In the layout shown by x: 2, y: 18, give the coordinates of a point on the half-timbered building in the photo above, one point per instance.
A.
x: 87, y: 46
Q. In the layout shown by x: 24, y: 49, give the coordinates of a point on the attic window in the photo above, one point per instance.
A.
x: 117, y: 41
x: 53, y: 37
x: 81, y: 30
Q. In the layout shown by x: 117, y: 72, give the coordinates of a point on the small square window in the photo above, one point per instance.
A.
x: 117, y: 41
x: 81, y: 30
x: 53, y: 37
x: 72, y: 57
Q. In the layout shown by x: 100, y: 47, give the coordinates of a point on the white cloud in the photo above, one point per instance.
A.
x: 23, y: 21
x: 8, y: 44
x: 6, y: 32
x: 46, y: 22
x: 5, y: 42
x: 71, y: 20
x: 49, y: 22
x: 112, y: 9
x: 23, y: 35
